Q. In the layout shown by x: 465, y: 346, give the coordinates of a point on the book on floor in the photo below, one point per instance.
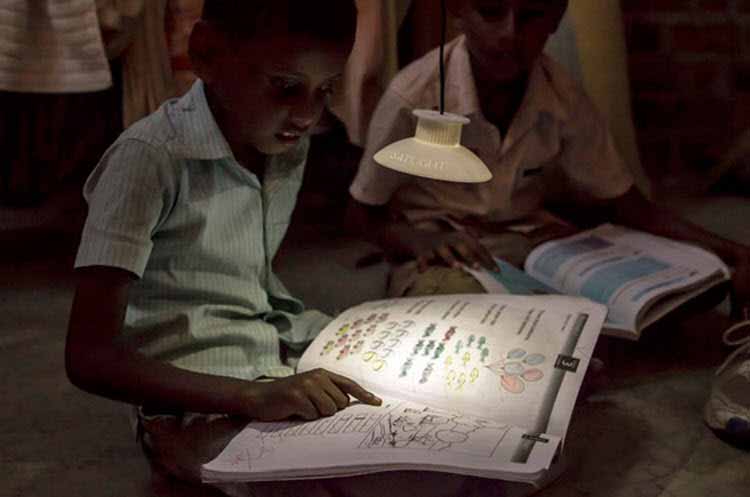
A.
x: 480, y: 385
x: 638, y: 276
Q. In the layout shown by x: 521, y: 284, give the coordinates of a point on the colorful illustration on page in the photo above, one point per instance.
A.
x: 463, y: 363
x: 517, y: 369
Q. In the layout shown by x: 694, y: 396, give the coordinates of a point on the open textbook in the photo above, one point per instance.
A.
x: 638, y: 276
x: 479, y: 385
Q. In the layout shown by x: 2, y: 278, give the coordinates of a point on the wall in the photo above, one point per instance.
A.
x: 689, y: 66
x: 602, y: 58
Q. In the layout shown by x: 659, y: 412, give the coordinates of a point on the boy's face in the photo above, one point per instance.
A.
x: 505, y: 37
x: 273, y: 90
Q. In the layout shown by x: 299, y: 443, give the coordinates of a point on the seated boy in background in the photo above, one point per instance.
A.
x: 543, y: 140
x: 177, y: 309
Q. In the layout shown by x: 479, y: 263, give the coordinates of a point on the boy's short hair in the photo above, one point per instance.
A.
x: 328, y: 20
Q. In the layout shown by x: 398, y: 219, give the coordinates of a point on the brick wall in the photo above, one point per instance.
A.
x: 690, y: 71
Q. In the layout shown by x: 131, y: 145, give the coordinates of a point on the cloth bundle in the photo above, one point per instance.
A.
x: 51, y: 46
x: 134, y: 30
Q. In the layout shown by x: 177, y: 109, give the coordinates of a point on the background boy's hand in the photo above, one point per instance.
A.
x: 309, y: 395
x: 741, y: 287
x: 454, y: 249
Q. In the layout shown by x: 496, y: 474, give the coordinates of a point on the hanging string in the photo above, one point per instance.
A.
x: 443, y: 22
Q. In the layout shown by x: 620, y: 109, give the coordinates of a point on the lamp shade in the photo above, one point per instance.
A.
x: 435, y: 151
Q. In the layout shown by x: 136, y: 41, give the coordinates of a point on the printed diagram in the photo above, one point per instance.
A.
x: 372, y: 339
x: 463, y: 366
x: 384, y: 342
x: 516, y: 369
x: 429, y: 350
x: 427, y: 430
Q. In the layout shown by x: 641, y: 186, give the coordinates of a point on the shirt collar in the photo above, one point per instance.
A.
x: 198, y: 135
x: 460, y: 87
x: 541, y: 101
x: 540, y: 97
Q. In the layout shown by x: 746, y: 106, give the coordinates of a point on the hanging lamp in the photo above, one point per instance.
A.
x: 435, y: 151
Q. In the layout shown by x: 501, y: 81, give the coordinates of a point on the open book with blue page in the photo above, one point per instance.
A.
x: 638, y: 276
x: 480, y: 385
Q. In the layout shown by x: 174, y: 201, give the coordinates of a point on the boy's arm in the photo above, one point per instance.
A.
x: 97, y: 363
x: 400, y: 241
x: 595, y: 170
x: 634, y: 210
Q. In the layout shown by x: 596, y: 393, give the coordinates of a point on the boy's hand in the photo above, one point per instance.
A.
x: 309, y: 395
x: 741, y: 287
x: 455, y: 249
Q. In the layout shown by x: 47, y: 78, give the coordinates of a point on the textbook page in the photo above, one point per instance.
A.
x: 515, y: 360
x: 626, y: 270
x: 509, y: 280
x: 396, y: 435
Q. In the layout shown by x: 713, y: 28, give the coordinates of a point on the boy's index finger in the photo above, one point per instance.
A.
x: 487, y: 260
x: 353, y: 388
x: 483, y: 255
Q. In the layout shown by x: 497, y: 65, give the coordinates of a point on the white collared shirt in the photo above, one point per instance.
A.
x: 170, y: 203
x: 558, y: 147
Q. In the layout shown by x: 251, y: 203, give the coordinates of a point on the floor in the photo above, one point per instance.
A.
x: 56, y: 440
x: 639, y: 435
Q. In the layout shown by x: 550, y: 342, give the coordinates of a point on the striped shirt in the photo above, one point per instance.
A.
x: 170, y: 203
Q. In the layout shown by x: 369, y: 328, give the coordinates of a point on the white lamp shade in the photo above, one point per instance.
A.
x: 435, y: 152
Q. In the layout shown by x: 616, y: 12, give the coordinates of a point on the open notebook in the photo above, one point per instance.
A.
x: 478, y: 385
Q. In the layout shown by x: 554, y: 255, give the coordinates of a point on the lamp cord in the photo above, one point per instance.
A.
x: 444, y: 21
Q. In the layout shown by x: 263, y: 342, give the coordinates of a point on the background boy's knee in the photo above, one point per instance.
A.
x: 406, y: 281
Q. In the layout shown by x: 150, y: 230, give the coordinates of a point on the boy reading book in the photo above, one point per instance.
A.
x: 177, y: 309
x: 544, y: 142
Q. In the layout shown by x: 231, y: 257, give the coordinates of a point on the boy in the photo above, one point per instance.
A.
x: 538, y: 132
x: 177, y: 309
x: 541, y: 137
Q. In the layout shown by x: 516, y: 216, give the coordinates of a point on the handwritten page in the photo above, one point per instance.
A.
x: 397, y: 435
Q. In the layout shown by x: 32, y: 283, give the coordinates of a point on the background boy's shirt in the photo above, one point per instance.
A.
x: 170, y: 203
x: 557, y: 148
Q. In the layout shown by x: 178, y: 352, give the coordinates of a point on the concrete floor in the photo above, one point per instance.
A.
x: 55, y: 440
x: 641, y: 436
